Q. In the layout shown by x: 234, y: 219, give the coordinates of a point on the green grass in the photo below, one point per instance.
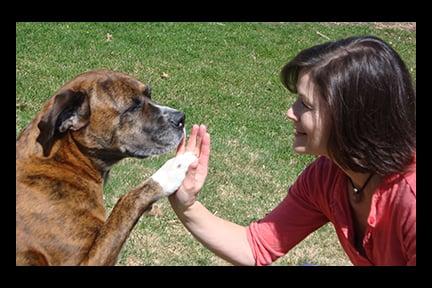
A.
x: 224, y: 75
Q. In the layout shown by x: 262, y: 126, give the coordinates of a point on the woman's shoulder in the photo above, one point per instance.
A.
x: 400, y: 190
x: 410, y: 175
x: 403, y: 181
x: 319, y: 183
x: 324, y: 166
x: 322, y: 171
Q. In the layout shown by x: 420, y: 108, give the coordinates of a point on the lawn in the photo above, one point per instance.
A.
x: 224, y: 75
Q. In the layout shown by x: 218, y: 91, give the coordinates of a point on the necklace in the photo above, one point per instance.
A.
x: 358, y: 192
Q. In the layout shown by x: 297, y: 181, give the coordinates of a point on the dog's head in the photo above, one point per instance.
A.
x: 111, y: 114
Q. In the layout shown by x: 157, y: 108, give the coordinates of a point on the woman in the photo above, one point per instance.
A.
x: 356, y: 111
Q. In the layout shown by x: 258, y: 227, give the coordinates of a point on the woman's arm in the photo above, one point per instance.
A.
x: 226, y: 239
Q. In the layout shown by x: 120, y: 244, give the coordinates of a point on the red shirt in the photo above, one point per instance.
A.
x: 319, y: 195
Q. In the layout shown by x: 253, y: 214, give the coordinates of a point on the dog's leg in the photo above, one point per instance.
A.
x: 131, y: 206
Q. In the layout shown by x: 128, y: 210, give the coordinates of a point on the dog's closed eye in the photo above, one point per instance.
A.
x: 137, y: 103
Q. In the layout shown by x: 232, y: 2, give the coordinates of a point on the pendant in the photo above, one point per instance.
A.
x: 357, y: 195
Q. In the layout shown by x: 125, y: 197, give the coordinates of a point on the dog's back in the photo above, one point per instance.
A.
x: 58, y: 213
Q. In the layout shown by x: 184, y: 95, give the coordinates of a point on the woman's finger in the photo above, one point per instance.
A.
x: 201, y: 133
x: 192, y: 139
x: 202, y: 168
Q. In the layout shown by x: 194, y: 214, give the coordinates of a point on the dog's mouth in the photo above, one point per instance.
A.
x: 147, y: 152
x: 162, y: 148
x: 138, y: 154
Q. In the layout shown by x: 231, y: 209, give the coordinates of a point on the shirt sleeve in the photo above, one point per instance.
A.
x: 291, y: 221
x: 409, y: 232
x: 410, y: 224
x: 411, y: 244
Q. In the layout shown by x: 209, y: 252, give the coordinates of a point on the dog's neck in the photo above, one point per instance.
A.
x: 101, y: 159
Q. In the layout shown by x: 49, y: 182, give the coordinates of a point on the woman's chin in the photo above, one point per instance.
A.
x: 300, y: 149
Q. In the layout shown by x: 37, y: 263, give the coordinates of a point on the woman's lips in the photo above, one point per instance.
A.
x: 299, y: 133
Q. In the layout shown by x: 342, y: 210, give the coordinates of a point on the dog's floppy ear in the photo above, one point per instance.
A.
x: 70, y: 111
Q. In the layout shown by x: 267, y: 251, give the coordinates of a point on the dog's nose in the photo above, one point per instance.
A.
x: 178, y: 119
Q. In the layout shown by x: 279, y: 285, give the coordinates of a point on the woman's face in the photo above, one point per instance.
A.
x: 310, y: 118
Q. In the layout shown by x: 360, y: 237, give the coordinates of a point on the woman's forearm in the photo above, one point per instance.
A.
x: 226, y: 239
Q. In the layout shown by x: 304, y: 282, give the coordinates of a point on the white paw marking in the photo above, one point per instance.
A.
x: 171, y: 175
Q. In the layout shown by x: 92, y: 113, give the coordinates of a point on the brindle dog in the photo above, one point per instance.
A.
x: 63, y: 158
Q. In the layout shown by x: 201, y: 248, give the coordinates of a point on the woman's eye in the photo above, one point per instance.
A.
x: 305, y: 105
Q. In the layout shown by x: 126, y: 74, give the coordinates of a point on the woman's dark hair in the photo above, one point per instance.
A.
x: 371, y: 101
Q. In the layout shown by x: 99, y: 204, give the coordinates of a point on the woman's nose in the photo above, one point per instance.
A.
x: 290, y: 114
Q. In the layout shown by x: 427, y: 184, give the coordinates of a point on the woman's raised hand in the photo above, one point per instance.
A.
x: 199, y: 144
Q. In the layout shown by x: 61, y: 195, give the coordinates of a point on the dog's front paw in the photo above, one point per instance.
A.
x: 172, y: 173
